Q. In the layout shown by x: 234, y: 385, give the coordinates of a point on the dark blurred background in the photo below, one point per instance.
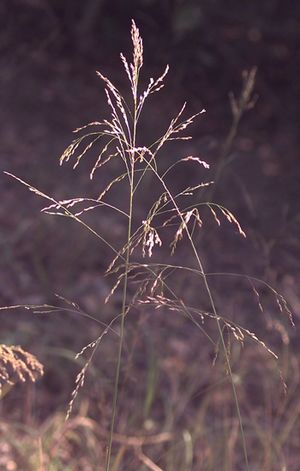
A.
x: 49, y: 52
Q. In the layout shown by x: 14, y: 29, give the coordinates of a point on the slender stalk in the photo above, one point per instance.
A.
x: 122, y: 328
x: 124, y: 299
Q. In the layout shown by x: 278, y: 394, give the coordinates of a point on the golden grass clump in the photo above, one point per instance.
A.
x: 18, y: 365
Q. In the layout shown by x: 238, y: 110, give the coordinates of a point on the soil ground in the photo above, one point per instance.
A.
x: 48, y: 88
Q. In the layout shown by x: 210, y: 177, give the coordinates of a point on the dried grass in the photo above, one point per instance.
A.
x: 18, y: 365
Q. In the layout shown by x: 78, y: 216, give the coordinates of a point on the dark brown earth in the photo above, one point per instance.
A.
x: 49, y: 54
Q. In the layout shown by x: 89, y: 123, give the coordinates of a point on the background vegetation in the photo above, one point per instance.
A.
x: 176, y: 408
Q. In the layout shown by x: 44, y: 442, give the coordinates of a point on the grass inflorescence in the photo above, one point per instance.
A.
x: 169, y: 226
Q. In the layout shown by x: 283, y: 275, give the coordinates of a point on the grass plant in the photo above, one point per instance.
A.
x: 147, y: 266
x: 17, y: 364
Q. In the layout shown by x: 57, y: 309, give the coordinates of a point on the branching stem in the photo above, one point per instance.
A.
x: 124, y: 299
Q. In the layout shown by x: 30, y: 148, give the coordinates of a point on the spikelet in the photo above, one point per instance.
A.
x: 134, y: 68
x: 195, y: 159
x: 150, y: 239
x: 185, y: 218
x: 283, y: 306
x: 228, y: 215
x: 80, y: 379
